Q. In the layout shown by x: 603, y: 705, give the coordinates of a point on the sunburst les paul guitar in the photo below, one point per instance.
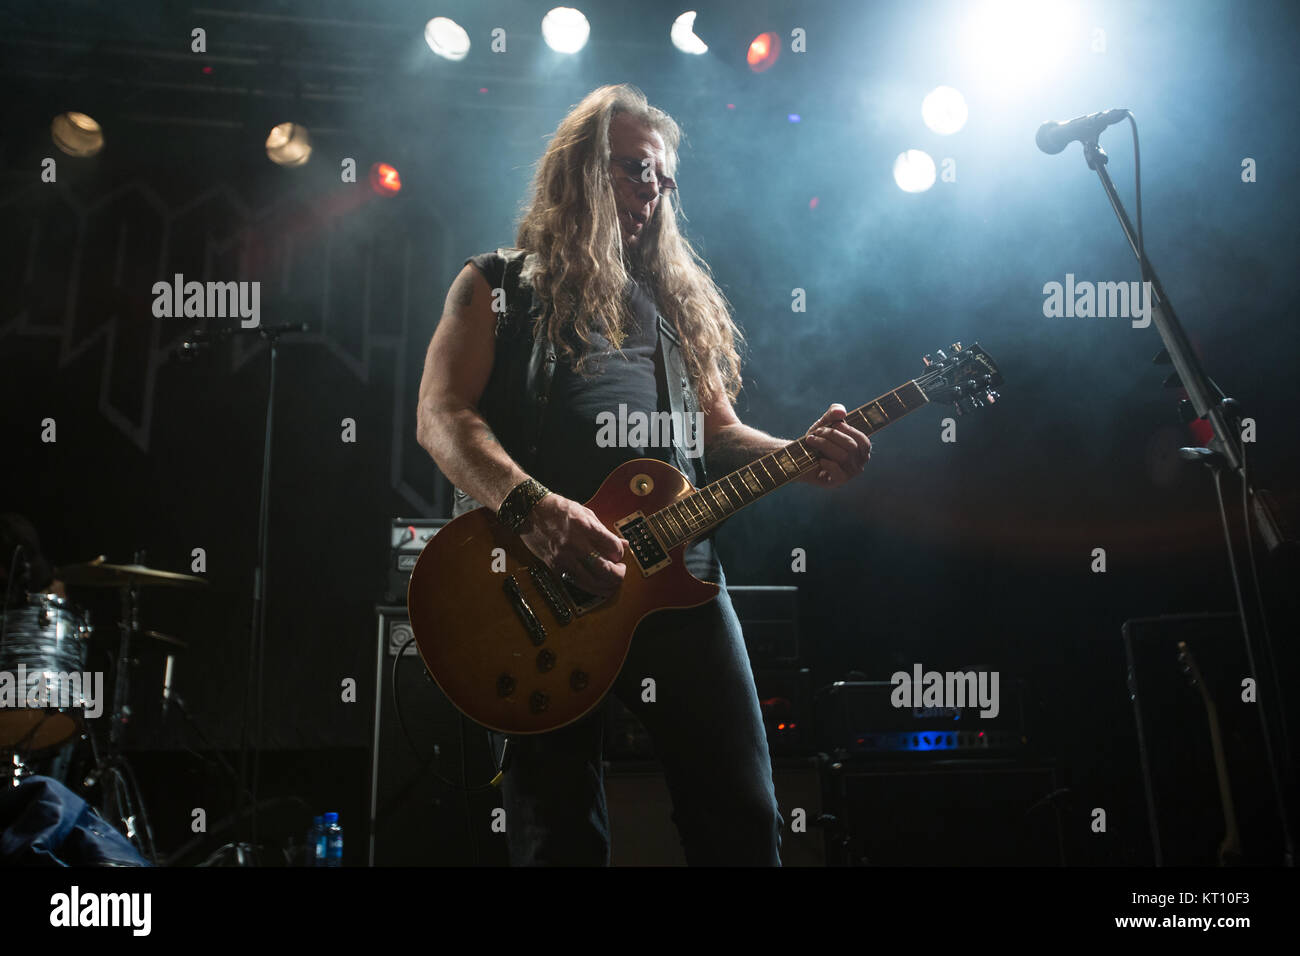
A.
x: 522, y: 651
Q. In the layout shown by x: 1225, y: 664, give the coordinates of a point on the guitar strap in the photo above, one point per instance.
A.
x: 517, y: 414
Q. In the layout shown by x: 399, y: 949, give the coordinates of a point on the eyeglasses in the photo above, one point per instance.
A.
x: 635, y: 170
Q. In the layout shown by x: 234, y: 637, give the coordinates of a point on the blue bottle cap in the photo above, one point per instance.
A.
x: 331, y: 818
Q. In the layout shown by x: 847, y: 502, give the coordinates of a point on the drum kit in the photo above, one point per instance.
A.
x: 48, y: 698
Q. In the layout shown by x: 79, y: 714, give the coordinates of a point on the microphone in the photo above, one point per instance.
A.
x: 1054, y: 137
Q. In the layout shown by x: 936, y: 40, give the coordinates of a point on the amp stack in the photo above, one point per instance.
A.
x: 936, y: 786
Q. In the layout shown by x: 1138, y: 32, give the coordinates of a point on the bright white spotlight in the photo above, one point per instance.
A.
x: 683, y: 34
x: 565, y: 30
x: 914, y: 171
x: 1020, y: 41
x: 944, y: 110
x: 447, y: 38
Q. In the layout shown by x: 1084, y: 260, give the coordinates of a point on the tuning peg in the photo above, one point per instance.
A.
x: 942, y: 357
x: 956, y: 346
x: 927, y: 360
x: 990, y: 397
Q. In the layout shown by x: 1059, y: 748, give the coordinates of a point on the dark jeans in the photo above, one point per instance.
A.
x: 708, y: 734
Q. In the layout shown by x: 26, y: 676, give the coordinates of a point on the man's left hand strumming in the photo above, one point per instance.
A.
x: 842, y: 449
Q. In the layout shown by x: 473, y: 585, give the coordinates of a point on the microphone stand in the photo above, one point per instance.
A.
x: 1223, y: 413
x: 245, y: 853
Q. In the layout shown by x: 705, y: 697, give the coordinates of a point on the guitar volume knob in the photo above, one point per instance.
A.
x: 545, y: 659
x: 505, y: 685
x: 578, y: 680
x: 538, y: 702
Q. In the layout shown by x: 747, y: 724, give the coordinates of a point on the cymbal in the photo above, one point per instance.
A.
x: 98, y: 574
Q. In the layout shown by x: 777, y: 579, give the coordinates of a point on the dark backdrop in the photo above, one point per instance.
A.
x: 947, y: 554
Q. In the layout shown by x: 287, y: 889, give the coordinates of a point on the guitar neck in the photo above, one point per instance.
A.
x: 696, y: 514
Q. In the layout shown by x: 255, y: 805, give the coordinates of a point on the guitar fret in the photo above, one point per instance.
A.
x: 708, y: 506
x: 678, y: 530
x: 726, y: 498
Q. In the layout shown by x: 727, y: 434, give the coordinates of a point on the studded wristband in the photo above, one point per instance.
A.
x: 514, y: 510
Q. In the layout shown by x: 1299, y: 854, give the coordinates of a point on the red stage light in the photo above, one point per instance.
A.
x: 384, y: 179
x: 763, y: 51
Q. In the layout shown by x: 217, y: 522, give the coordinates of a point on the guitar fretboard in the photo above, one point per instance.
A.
x: 696, y: 514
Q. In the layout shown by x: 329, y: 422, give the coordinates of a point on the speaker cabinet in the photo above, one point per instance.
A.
x: 416, y: 820
x: 955, y: 813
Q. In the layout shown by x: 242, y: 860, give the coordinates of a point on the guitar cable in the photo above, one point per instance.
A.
x: 430, y: 758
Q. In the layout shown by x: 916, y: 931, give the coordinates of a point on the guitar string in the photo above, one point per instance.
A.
x: 697, y: 522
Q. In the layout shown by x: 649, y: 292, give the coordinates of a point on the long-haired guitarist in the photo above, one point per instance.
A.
x: 552, y: 364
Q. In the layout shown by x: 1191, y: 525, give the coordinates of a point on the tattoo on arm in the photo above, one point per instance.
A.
x: 462, y: 291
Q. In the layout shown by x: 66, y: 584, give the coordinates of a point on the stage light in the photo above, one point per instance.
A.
x: 77, y: 134
x: 1020, y: 42
x: 565, y: 30
x: 763, y: 51
x: 385, y: 180
x: 683, y: 34
x: 289, y: 145
x: 447, y: 38
x: 914, y: 171
x: 944, y: 110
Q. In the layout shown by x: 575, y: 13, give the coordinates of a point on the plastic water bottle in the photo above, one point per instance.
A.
x: 333, y: 840
x: 316, y: 842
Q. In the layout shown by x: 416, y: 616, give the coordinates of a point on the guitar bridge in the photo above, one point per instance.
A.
x: 536, y: 632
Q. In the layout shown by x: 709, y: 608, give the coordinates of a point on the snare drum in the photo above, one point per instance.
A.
x: 43, y: 656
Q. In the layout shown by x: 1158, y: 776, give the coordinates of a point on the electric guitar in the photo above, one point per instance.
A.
x: 521, y: 651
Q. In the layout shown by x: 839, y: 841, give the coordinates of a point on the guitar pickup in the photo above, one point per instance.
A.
x: 536, y: 632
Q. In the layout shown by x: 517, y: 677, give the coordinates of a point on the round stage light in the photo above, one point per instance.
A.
x: 289, y: 145
x: 763, y: 51
x: 565, y: 30
x: 447, y: 38
x: 683, y: 34
x: 77, y: 134
x: 944, y: 110
x: 914, y: 171
x: 385, y: 180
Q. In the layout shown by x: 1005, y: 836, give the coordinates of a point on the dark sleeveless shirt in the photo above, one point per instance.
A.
x: 571, y: 461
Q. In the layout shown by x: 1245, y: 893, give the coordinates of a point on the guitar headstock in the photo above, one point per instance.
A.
x: 967, y: 378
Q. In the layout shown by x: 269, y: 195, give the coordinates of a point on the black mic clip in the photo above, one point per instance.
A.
x: 1206, y: 456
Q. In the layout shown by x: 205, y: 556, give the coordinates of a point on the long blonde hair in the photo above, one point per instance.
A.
x: 577, y: 262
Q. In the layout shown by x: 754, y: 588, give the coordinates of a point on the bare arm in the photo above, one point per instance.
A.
x: 730, y: 444
x: 564, y: 533
x: 456, y: 370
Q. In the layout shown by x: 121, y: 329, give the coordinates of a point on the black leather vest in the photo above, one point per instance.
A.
x: 515, y: 399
